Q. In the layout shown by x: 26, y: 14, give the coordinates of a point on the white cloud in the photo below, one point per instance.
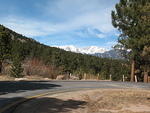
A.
x: 117, y: 34
x: 27, y: 27
x: 101, y: 35
x: 66, y: 16
x: 76, y: 13
x: 111, y: 43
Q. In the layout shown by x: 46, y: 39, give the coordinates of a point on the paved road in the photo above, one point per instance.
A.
x: 13, y: 91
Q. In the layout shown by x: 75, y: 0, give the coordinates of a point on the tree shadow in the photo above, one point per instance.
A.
x: 49, y: 105
x: 22, y: 86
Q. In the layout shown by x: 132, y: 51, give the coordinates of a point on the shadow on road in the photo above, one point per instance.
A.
x: 21, y: 86
x: 49, y: 105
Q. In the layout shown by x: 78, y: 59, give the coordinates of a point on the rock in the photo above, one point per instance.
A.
x: 20, y: 79
x: 74, y: 78
x: 60, y: 77
x: 46, y: 79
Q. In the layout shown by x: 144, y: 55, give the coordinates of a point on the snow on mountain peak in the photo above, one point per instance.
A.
x: 85, y: 50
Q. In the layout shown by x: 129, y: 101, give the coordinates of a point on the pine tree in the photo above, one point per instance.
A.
x: 130, y: 19
x: 16, y: 70
x: 144, y: 40
x: 5, y: 47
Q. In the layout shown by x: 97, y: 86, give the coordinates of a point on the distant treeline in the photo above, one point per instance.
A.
x: 66, y: 62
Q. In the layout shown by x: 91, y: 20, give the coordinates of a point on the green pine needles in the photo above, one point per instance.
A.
x: 132, y: 19
x: 16, y: 69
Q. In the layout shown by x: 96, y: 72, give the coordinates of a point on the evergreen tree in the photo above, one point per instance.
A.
x: 144, y: 40
x: 5, y: 46
x: 16, y: 70
x: 130, y: 19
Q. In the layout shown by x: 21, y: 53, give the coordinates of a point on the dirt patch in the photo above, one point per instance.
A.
x: 92, y: 101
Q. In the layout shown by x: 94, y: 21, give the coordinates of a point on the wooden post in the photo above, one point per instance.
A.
x: 132, y: 70
x: 110, y: 77
x: 136, y: 78
x: 69, y: 75
x: 98, y: 76
x: 145, y: 77
x: 123, y: 78
x: 84, y: 76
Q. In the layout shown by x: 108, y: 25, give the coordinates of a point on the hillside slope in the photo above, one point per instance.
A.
x: 58, y: 61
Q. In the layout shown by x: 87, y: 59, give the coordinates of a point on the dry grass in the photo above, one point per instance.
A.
x: 118, y: 101
x: 6, y: 78
x: 92, y: 101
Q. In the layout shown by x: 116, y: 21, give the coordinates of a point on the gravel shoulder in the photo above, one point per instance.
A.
x: 91, y: 101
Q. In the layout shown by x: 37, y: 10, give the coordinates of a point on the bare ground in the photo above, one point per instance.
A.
x: 91, y: 101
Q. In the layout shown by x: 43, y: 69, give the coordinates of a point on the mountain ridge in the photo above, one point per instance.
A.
x: 94, y: 51
x: 84, y: 50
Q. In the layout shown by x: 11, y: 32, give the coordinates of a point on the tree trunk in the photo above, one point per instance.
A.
x: 132, y: 70
x: 0, y: 67
x: 145, y: 76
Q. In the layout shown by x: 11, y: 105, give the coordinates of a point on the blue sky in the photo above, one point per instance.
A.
x: 80, y: 23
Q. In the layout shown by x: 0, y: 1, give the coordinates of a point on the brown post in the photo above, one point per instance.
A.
x: 85, y: 76
x: 148, y: 79
x: 132, y: 70
x: 110, y: 77
x: 123, y: 78
x: 98, y: 76
x: 145, y: 77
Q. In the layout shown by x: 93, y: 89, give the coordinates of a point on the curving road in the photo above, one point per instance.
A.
x: 11, y: 92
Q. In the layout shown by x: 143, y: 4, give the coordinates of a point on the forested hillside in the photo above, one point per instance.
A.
x: 36, y: 58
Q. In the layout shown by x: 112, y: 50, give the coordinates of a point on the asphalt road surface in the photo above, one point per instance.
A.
x: 13, y: 91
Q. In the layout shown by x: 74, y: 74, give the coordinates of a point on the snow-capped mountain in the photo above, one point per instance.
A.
x: 93, y: 50
x: 115, y: 54
x: 85, y: 50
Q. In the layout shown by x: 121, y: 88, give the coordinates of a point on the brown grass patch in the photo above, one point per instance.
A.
x: 92, y: 101
x: 118, y: 101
